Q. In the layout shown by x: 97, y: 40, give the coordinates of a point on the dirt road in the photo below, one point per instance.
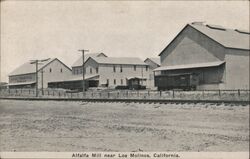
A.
x: 77, y: 126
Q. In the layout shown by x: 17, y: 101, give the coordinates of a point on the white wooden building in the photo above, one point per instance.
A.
x: 109, y: 72
x: 48, y: 71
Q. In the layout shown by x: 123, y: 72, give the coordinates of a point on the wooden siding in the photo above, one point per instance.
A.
x: 106, y: 72
x: 55, y: 74
x: 237, y: 71
x: 22, y: 78
x: 150, y: 79
x: 192, y: 47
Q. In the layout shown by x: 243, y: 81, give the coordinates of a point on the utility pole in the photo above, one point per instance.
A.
x: 36, y: 62
x: 83, y: 70
x: 142, y: 75
x: 42, y: 80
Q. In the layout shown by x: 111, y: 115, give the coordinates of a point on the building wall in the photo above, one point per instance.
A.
x: 22, y: 78
x: 89, y: 66
x: 237, y: 69
x: 151, y: 64
x: 209, y: 78
x: 106, y: 72
x: 55, y: 71
x: 150, y: 79
x: 192, y: 47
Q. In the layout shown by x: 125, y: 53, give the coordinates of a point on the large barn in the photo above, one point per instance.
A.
x: 205, y: 56
x: 48, y: 71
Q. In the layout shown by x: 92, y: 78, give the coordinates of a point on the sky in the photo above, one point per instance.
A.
x: 41, y: 29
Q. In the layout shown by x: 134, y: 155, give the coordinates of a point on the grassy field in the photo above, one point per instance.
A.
x: 77, y: 126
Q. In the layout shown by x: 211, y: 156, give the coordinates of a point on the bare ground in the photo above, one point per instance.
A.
x: 77, y: 126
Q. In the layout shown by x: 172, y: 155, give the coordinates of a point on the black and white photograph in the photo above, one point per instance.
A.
x: 124, y: 79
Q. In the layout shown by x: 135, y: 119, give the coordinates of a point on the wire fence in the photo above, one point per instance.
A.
x: 241, y: 95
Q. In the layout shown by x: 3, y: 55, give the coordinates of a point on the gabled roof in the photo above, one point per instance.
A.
x: 155, y: 60
x: 78, y: 62
x: 119, y: 60
x: 28, y: 68
x: 228, y: 38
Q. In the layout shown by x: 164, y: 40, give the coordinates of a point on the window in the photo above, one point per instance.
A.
x: 121, y: 68
x: 61, y: 69
x: 114, y: 81
x: 146, y: 68
x: 134, y: 67
x: 114, y: 69
x: 121, y: 81
x: 96, y: 69
x: 202, y: 79
x: 80, y: 71
x: 77, y: 71
x: 90, y: 70
x: 50, y: 70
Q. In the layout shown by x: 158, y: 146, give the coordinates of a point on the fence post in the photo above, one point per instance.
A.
x: 53, y: 92
x: 160, y: 93
x: 59, y: 94
x: 239, y: 92
x: 173, y: 93
x: 71, y: 94
x: 100, y: 95
x: 203, y: 94
x: 148, y: 93
x: 138, y: 93
x: 108, y: 94
x: 219, y: 93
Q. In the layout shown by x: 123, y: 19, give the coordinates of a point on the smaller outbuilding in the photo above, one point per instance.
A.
x: 153, y: 63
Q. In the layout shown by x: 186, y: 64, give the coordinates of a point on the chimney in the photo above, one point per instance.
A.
x: 198, y: 23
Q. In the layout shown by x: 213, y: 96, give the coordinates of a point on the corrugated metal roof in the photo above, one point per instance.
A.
x: 119, y: 60
x: 187, y: 66
x: 229, y: 37
x: 78, y: 62
x: 27, y: 68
